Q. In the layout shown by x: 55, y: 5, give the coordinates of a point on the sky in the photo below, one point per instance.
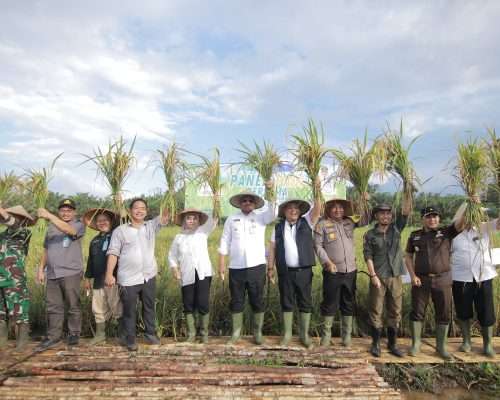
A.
x: 75, y: 75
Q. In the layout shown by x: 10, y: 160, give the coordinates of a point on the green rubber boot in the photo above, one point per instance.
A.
x: 287, y: 328
x: 22, y: 336
x: 191, y: 328
x: 441, y: 341
x: 346, y: 330
x: 416, y: 338
x: 4, y: 333
x: 487, y: 332
x: 464, y: 325
x: 237, y: 323
x: 326, y: 337
x: 100, y: 334
x: 258, y: 323
x: 304, y: 321
x: 205, y: 319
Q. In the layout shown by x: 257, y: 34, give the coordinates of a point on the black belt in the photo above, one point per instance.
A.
x: 297, y: 268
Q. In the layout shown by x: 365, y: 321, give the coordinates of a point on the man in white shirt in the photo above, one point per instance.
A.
x: 473, y: 273
x: 132, y: 248
x: 243, y: 240
x: 292, y: 249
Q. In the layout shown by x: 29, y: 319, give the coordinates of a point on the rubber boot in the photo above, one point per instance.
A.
x: 287, y: 328
x: 375, y: 347
x: 258, y: 323
x: 191, y: 328
x: 237, y: 319
x: 346, y: 330
x: 100, y: 333
x: 441, y: 341
x: 22, y: 336
x: 392, y: 337
x: 326, y: 337
x: 487, y: 332
x: 464, y: 325
x: 416, y: 338
x: 304, y: 321
x: 4, y: 333
x: 205, y: 319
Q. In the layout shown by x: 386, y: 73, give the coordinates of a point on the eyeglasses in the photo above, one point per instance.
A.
x: 247, y: 201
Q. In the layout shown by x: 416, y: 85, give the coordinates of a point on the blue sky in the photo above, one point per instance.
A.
x: 74, y: 75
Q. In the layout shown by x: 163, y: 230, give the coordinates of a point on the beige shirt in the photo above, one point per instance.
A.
x: 335, y: 241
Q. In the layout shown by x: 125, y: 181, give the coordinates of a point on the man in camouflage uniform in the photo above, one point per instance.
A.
x: 14, y: 297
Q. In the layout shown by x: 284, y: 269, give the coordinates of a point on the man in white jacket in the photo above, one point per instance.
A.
x: 243, y: 239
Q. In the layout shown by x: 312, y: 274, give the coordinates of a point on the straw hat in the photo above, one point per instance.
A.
x: 20, y: 212
x: 89, y: 218
x: 236, y: 199
x: 345, y: 203
x: 304, y: 207
x: 179, y: 218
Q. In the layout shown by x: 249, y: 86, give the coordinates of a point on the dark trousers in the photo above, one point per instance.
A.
x: 296, y: 283
x: 128, y: 295
x: 438, y: 288
x: 61, y: 292
x: 251, y: 280
x: 195, y: 297
x: 339, y: 291
x: 467, y: 294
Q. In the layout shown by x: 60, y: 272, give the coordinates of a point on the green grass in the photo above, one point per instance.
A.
x: 170, y: 318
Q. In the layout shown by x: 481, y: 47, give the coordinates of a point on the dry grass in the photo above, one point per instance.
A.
x: 10, y: 183
x: 493, y: 149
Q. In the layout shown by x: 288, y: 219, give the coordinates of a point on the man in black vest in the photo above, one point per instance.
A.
x: 292, y: 249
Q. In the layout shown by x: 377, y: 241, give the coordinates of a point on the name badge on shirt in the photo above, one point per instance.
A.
x: 66, y: 241
x: 332, y: 236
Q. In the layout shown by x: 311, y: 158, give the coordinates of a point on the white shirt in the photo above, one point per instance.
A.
x: 470, y: 255
x: 189, y: 250
x: 135, y: 249
x: 289, y: 236
x: 243, y: 237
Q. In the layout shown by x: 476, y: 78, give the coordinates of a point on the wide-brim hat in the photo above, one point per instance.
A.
x: 381, y: 207
x: 20, y: 212
x: 89, y: 218
x: 179, y: 218
x: 236, y: 199
x: 345, y: 203
x: 303, y: 205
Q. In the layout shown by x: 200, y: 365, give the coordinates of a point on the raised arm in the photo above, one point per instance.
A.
x: 57, y: 222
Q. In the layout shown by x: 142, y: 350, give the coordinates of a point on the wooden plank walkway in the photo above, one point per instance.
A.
x: 176, y: 370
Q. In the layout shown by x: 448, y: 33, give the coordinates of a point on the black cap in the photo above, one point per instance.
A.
x: 67, y: 203
x: 428, y: 211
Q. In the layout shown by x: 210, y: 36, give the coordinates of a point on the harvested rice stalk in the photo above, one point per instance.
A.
x: 264, y: 160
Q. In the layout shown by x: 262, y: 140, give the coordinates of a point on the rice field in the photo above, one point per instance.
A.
x: 170, y: 319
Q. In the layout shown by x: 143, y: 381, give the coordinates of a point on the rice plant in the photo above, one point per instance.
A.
x: 472, y: 172
x: 358, y: 167
x: 114, y: 164
x: 264, y: 159
x: 493, y: 150
x: 398, y: 163
x: 309, y: 151
x: 209, y: 173
x: 38, y: 186
x: 174, y: 171
x: 10, y: 183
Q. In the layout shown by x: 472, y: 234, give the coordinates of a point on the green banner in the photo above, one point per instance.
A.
x: 237, y: 178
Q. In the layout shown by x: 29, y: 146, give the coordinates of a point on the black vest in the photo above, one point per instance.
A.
x: 304, y: 242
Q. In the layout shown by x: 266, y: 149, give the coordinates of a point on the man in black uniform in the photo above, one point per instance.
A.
x: 428, y: 263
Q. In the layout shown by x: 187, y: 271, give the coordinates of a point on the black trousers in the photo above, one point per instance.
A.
x: 251, y: 280
x: 339, y: 291
x: 437, y: 288
x: 196, y: 297
x: 129, y: 295
x: 467, y: 294
x: 294, y: 284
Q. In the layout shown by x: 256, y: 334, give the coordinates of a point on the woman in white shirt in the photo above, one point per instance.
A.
x: 473, y: 273
x: 190, y: 262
